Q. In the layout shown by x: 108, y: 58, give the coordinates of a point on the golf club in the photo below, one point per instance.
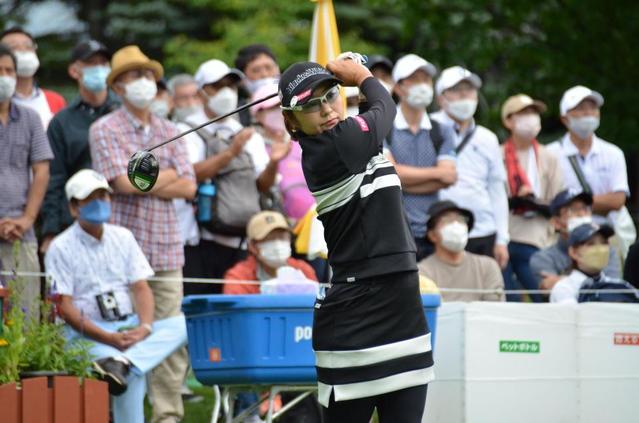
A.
x: 143, y: 168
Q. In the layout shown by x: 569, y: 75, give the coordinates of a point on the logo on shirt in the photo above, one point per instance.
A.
x: 362, y: 123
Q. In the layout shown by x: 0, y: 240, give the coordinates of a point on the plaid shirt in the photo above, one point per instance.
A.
x: 113, y: 140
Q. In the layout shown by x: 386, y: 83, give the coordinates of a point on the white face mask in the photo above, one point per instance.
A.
x: 527, y: 126
x: 253, y: 86
x: 461, y: 109
x: 583, y: 126
x: 574, y: 222
x: 223, y: 101
x: 28, y: 63
x: 141, y: 92
x: 454, y: 236
x: 7, y: 87
x: 181, y: 113
x: 159, y: 108
x: 419, y: 95
x: 275, y: 253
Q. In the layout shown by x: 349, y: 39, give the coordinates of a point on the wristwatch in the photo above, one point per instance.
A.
x: 147, y: 327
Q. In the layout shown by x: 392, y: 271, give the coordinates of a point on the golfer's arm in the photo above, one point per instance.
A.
x: 80, y: 323
x: 209, y: 168
x: 122, y: 185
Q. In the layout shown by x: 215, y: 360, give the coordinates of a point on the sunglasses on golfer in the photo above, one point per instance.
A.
x: 315, y: 104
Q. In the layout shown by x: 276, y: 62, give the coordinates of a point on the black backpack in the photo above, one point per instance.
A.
x: 608, y: 297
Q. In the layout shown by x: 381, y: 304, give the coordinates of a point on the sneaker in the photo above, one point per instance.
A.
x: 114, y: 373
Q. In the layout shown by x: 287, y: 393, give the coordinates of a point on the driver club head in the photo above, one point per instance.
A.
x: 143, y: 170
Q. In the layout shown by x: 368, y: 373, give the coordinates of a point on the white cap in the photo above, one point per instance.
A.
x: 576, y: 95
x: 212, y: 71
x: 84, y: 182
x: 408, y: 64
x: 453, y: 76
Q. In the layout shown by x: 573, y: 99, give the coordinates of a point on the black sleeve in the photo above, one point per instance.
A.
x: 631, y: 267
x: 360, y: 137
x: 53, y: 202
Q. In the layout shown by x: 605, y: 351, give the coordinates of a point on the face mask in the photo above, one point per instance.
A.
x: 28, y: 63
x: 160, y: 108
x: 223, y: 101
x: 454, y: 236
x: 527, y: 126
x: 583, y: 126
x: 141, y: 92
x: 387, y: 86
x: 352, y: 111
x: 96, y: 212
x: 181, y: 113
x: 461, y: 109
x: 594, y: 258
x: 7, y: 87
x: 275, y: 253
x: 420, y: 96
x: 274, y: 121
x: 94, y: 78
x: 574, y: 222
x: 253, y: 86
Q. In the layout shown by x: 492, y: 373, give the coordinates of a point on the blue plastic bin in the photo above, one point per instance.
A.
x: 258, y: 339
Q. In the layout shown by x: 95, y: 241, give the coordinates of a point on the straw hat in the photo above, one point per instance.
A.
x: 131, y: 57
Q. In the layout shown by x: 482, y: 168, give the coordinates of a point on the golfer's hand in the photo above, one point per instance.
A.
x: 239, y: 141
x: 350, y: 72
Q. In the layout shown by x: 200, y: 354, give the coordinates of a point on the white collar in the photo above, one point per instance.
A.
x: 571, y: 149
x: 400, y: 120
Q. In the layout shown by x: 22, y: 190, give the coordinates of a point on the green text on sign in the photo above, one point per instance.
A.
x: 529, y: 347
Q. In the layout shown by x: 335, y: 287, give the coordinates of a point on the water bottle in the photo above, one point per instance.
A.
x: 205, y: 194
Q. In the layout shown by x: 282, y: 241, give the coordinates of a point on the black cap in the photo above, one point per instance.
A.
x: 299, y: 80
x: 566, y: 197
x: 85, y: 49
x: 379, y: 60
x: 436, y: 209
x: 583, y: 233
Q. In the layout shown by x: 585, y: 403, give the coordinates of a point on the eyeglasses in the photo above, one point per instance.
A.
x: 315, y: 104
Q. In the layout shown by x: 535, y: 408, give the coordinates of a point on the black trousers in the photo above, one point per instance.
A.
x: 404, y: 406
x: 208, y: 259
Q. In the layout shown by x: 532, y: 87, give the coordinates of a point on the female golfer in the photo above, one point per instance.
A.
x: 370, y: 337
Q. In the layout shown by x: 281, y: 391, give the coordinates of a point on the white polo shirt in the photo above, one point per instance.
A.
x: 604, y: 166
x: 566, y: 290
x: 481, y: 180
x: 82, y: 267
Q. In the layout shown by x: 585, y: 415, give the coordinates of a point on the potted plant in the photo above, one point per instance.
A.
x: 42, y: 376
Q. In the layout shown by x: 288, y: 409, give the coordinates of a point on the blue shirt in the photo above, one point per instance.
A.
x: 418, y: 150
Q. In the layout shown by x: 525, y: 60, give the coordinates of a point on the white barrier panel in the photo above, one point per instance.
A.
x: 525, y: 363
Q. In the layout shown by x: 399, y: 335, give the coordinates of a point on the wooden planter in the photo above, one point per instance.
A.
x: 57, y: 399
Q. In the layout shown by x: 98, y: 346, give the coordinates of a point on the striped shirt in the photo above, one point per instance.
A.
x: 113, y: 139
x: 418, y: 150
x: 358, y: 193
x: 23, y: 143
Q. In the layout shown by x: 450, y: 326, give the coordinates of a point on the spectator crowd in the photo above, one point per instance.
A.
x: 488, y: 217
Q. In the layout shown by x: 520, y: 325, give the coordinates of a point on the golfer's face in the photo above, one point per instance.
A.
x: 329, y: 114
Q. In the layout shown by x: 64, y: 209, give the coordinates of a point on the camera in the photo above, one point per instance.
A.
x: 108, y: 306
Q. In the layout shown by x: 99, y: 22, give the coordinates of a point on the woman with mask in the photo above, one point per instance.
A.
x: 589, y: 251
x: 370, y: 337
x: 421, y: 149
x: 452, y: 267
x: 534, y: 179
